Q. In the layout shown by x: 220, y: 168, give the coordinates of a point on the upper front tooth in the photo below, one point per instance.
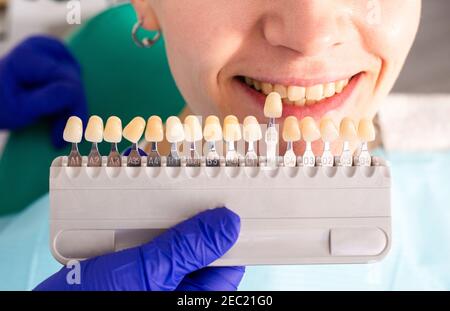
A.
x: 73, y: 132
x: 340, y: 85
x: 113, y: 130
x: 295, y: 93
x: 212, y: 130
x: 314, y: 92
x: 192, y: 129
x: 266, y: 88
x: 94, y: 130
x: 248, y: 80
x: 280, y: 89
x: 329, y: 89
x: 154, y: 131
x: 257, y: 85
x: 133, y: 131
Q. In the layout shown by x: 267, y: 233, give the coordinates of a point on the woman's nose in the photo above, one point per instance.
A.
x: 309, y: 27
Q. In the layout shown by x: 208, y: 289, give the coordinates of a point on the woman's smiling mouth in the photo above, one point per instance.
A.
x: 303, y: 100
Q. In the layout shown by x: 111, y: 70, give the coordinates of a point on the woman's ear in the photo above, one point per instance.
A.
x: 145, y: 12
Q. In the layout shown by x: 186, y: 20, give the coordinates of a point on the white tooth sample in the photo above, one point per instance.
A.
x: 329, y: 89
x: 328, y: 130
x: 266, y: 88
x: 309, y: 129
x: 134, y: 130
x: 113, y: 130
x: 347, y: 130
x: 174, y: 130
x: 314, y: 92
x: 295, y: 93
x: 192, y: 129
x: 366, y: 130
x: 154, y: 131
x: 340, y: 85
x: 94, y: 130
x: 252, y: 129
x: 280, y: 89
x: 231, y: 129
x: 291, y: 129
x: 300, y: 102
x: 273, y: 107
x: 73, y: 132
x: 257, y: 85
x: 212, y: 130
x: 249, y: 81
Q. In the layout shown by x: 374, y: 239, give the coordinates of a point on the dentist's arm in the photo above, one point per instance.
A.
x: 40, y: 78
x: 175, y: 260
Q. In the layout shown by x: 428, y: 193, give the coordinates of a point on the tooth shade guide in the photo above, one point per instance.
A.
x: 134, y: 130
x: 154, y: 131
x: 113, y: 130
x: 73, y: 131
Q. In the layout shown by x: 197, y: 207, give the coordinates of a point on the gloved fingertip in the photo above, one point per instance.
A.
x: 224, y: 218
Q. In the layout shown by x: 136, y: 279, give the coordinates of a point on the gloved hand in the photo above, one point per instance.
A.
x: 175, y: 260
x: 40, y: 78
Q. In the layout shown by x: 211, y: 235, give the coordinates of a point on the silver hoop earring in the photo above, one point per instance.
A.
x: 145, y: 42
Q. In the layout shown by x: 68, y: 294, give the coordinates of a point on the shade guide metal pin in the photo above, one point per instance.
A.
x: 291, y: 133
x: 193, y: 133
x: 310, y: 133
x: 73, y: 133
x: 133, y: 133
x: 347, y: 132
x: 366, y: 134
x: 94, y: 135
x: 329, y: 133
x: 231, y: 133
x: 212, y: 132
x: 174, y: 135
x: 113, y: 135
x: 252, y: 134
x: 154, y: 134
x: 273, y: 108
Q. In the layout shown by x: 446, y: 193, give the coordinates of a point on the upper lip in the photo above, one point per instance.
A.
x: 297, y: 81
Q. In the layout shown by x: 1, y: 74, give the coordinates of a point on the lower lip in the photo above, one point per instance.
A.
x: 316, y: 110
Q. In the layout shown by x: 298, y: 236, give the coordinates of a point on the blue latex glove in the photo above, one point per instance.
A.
x: 40, y: 78
x: 175, y: 260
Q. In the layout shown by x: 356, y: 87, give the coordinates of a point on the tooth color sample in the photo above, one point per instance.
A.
x: 347, y: 130
x: 133, y: 131
x: 366, y: 130
x: 73, y: 132
x: 328, y: 130
x: 113, y: 130
x: 273, y: 107
x: 252, y: 129
x: 309, y: 129
x: 94, y: 130
x: 291, y: 129
x: 154, y: 131
x: 174, y: 130
x: 212, y: 130
x: 192, y: 129
x: 231, y: 129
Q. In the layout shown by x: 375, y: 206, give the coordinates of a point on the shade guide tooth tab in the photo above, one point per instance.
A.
x: 311, y: 133
x: 113, y: 130
x: 192, y: 129
x: 134, y: 130
x: 347, y: 131
x: 329, y: 133
x: 212, y: 130
x: 291, y: 129
x: 252, y: 129
x: 154, y: 131
x: 231, y: 134
x: 273, y: 107
x: 94, y: 130
x: 366, y: 133
x: 73, y: 132
x: 174, y: 130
